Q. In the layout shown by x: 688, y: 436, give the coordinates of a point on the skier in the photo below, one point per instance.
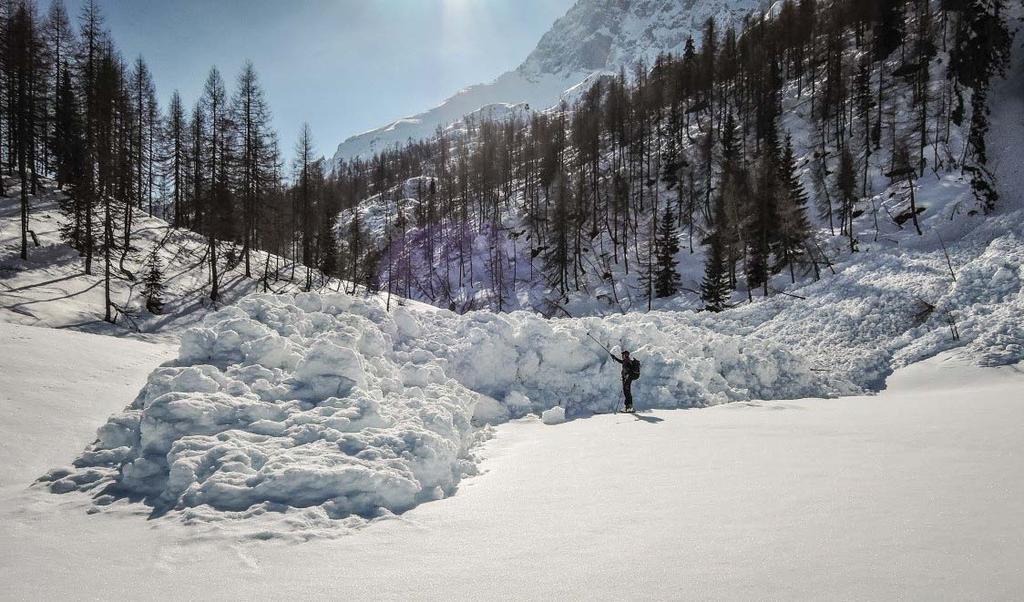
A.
x: 630, y: 372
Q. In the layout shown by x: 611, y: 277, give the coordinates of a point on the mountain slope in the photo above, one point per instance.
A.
x: 50, y: 289
x: 594, y: 37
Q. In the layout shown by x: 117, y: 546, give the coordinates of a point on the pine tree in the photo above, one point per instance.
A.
x: 888, y: 27
x: 734, y: 190
x: 761, y: 225
x: 251, y: 120
x: 717, y: 286
x: 981, y: 52
x: 143, y: 104
x: 113, y: 173
x: 176, y: 152
x: 22, y: 64
x: 92, y: 41
x: 59, y: 40
x: 557, y: 257
x: 715, y: 290
x: 903, y: 172
x: 216, y: 138
x: 666, y: 281
x: 69, y: 155
x: 355, y: 248
x: 794, y: 229
x: 846, y: 184
x: 304, y: 190
x: 329, y: 253
x: 153, y: 284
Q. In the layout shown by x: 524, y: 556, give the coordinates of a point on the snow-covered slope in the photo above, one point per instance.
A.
x: 51, y: 289
x: 594, y: 37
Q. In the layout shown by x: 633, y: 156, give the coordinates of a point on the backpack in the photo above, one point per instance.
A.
x: 634, y: 369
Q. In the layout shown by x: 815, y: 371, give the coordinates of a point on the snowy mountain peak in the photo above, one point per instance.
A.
x: 608, y: 34
x: 594, y: 36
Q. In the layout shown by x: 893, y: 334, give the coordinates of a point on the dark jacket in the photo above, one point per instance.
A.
x: 627, y: 367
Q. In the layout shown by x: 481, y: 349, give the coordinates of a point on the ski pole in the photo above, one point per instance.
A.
x: 614, y: 404
x: 599, y: 343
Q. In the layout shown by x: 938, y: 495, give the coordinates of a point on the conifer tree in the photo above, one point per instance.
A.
x: 304, y: 191
x: 92, y: 40
x: 22, y: 64
x: 69, y: 156
x: 153, y: 284
x: 793, y: 228
x: 666, y: 281
x: 216, y: 138
x: 846, y: 184
x: 251, y: 120
x: 176, y: 153
x: 733, y: 193
x: 981, y: 51
x: 355, y: 248
x: 716, y: 288
x: 558, y: 255
x: 761, y: 224
x: 329, y: 253
x: 59, y: 40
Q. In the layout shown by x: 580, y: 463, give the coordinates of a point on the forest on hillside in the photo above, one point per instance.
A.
x: 697, y: 153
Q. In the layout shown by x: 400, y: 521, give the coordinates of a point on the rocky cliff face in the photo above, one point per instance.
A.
x: 594, y: 37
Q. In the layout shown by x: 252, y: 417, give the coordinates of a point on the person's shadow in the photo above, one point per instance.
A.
x: 648, y: 419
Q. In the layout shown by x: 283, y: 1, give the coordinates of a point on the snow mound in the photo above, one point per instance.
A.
x: 984, y: 306
x: 890, y: 309
x: 334, y: 405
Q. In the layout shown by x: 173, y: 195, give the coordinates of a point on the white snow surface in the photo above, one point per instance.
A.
x: 914, y: 493
x: 55, y: 386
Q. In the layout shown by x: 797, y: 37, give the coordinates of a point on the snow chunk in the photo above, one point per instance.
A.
x: 555, y: 415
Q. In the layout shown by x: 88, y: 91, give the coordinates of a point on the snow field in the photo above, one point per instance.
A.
x: 914, y: 493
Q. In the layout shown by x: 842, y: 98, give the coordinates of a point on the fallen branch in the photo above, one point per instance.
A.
x: 949, y: 262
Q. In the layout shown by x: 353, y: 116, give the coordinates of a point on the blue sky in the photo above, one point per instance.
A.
x: 345, y: 66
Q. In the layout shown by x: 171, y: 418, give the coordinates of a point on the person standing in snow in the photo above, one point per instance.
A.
x: 630, y: 372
